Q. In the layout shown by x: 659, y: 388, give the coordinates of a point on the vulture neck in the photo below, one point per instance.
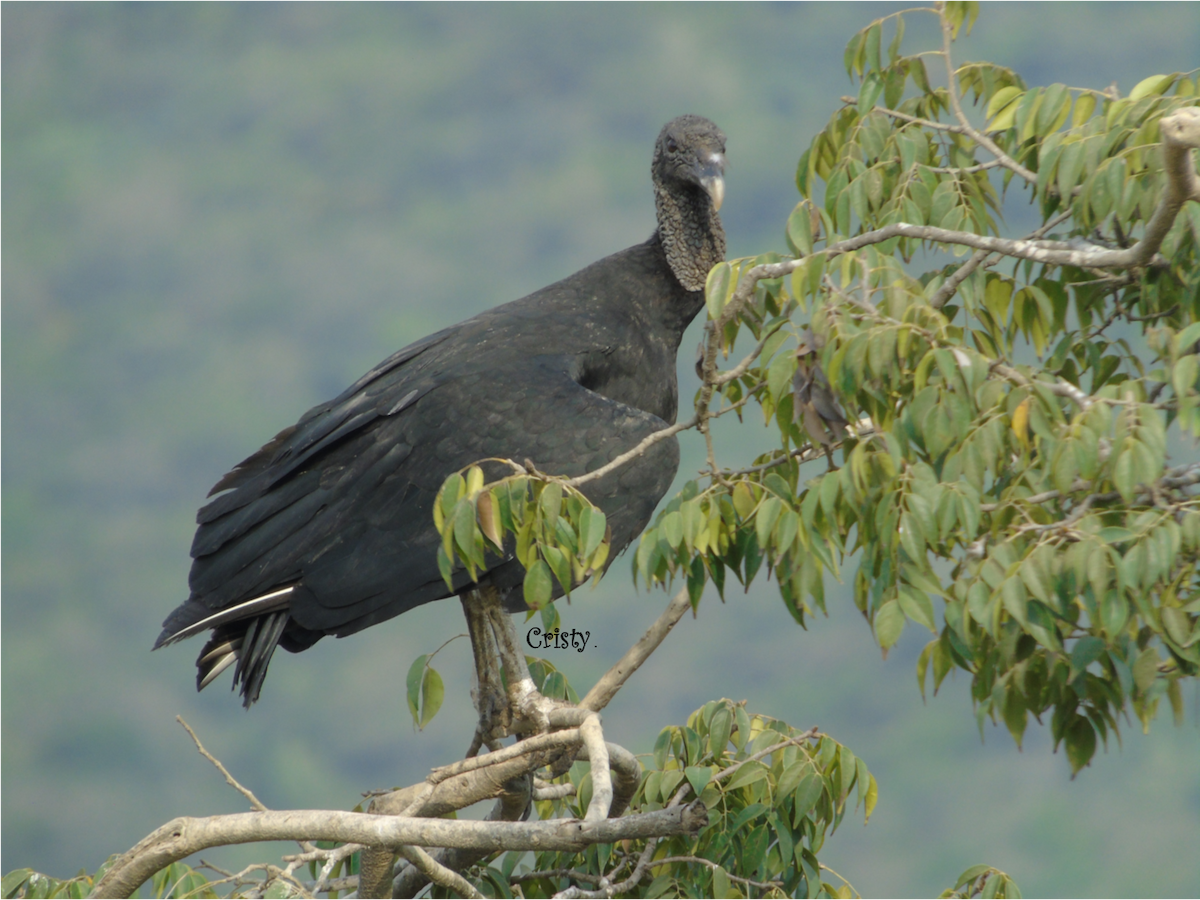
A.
x: 691, y: 233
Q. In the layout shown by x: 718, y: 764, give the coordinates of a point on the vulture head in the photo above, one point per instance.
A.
x: 689, y: 184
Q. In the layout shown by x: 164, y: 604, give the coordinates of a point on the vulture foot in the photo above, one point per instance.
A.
x: 522, y: 708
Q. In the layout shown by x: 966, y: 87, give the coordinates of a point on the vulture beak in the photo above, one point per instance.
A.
x: 710, y: 172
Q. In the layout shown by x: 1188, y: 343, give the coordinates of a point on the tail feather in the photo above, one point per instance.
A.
x: 257, y: 655
x: 212, y: 651
x: 187, y: 621
x: 206, y: 674
x: 244, y: 635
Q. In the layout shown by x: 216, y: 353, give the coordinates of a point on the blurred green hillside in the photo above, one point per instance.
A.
x: 215, y: 216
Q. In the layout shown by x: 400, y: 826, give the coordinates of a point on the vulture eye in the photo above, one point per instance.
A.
x: 672, y: 147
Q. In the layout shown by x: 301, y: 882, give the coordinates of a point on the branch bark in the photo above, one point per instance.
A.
x: 606, y: 688
x: 184, y: 836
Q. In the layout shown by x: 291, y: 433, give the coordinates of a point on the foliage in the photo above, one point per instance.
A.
x: 1011, y: 453
x: 1033, y: 498
x: 560, y: 535
x: 773, y: 793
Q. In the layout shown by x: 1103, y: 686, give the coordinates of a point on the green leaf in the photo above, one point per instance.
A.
x: 433, y: 691
x: 1070, y: 166
x: 850, y: 57
x: 464, y: 530
x: 537, y: 585
x: 917, y: 606
x: 764, y: 520
x: 698, y: 777
x: 721, y: 885
x: 779, y: 375
x: 1081, y: 743
x: 808, y: 792
x: 748, y: 774
x: 1012, y: 594
x: 871, y: 799
x: 1125, y: 475
x: 1085, y: 105
x: 671, y: 528
x: 799, y: 229
x: 560, y: 565
x: 1034, y: 574
x: 1004, y: 118
x: 719, y: 730
x: 1086, y: 651
x: 889, y: 622
x: 551, y: 503
x: 413, y: 684
x: 874, y: 40
x: 445, y: 567
x: 14, y: 879
x: 1001, y: 99
x: 970, y: 875
x: 592, y: 527
x: 1056, y: 101
x: 894, y: 46
x: 1177, y: 625
x: 1114, y: 534
x: 718, y: 288
x: 1153, y: 85
x: 791, y: 777
x: 1145, y: 669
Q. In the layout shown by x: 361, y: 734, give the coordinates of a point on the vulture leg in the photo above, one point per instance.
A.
x: 522, y: 708
x: 490, y: 700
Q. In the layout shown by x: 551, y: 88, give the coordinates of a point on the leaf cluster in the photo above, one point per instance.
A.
x: 773, y: 794
x: 558, y: 534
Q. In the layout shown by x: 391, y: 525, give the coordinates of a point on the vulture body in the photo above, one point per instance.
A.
x: 328, y: 528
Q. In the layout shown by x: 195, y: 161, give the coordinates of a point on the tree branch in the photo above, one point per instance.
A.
x: 602, y: 788
x: 606, y: 688
x: 244, y: 791
x: 1061, y: 388
x: 184, y: 836
x: 950, y: 285
x: 633, y: 452
x: 439, y: 874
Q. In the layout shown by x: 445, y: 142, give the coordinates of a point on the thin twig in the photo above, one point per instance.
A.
x: 233, y: 782
x: 982, y: 139
x: 573, y: 874
x: 740, y: 369
x: 632, y: 453
x: 764, y: 885
x: 917, y: 120
x: 606, y: 688
x: 336, y: 855
x: 964, y: 170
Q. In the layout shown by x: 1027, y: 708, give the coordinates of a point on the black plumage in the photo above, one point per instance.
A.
x: 328, y: 528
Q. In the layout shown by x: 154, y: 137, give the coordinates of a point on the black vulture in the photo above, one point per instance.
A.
x: 328, y: 528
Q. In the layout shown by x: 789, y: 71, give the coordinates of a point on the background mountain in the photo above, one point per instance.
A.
x: 215, y: 216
